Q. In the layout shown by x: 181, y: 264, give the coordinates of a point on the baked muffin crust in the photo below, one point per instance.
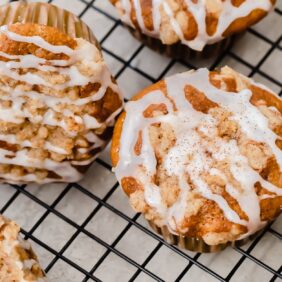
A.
x: 199, y: 152
x: 194, y: 23
x: 58, y: 103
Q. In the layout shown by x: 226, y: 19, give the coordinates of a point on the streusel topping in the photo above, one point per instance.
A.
x: 58, y: 102
x: 195, y: 23
x: 200, y: 153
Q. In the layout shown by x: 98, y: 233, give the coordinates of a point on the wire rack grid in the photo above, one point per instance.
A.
x: 86, y: 231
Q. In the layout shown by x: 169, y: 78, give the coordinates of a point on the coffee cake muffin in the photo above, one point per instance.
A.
x: 18, y: 263
x: 58, y: 100
x: 199, y: 154
x: 187, y: 28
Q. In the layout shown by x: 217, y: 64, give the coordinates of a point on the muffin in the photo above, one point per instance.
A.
x: 199, y: 155
x: 58, y: 100
x: 185, y: 29
x: 17, y: 260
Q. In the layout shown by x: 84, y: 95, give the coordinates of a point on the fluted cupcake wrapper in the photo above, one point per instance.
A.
x: 46, y: 14
x: 181, y: 51
x: 197, y: 244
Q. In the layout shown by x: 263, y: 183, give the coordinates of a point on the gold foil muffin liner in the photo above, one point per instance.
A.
x: 46, y: 14
x: 197, y: 244
x: 181, y: 51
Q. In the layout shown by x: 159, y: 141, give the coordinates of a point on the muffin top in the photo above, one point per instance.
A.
x: 194, y: 23
x: 200, y: 153
x: 57, y: 103
x: 17, y: 260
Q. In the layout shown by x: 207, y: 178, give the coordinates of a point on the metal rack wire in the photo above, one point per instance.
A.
x: 191, y: 260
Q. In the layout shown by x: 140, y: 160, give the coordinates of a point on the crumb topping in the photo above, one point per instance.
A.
x: 205, y: 161
x: 58, y: 101
x: 194, y: 23
x: 17, y: 261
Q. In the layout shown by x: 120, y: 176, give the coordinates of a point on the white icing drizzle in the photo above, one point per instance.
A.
x: 21, y: 158
x: 127, y: 8
x: 90, y: 122
x: 187, y: 123
x: 11, y: 139
x: 38, y: 41
x: 85, y: 54
x: 35, y: 61
x: 228, y: 14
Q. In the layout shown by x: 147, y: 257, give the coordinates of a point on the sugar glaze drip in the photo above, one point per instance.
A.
x: 86, y: 53
x: 184, y: 121
x: 228, y: 14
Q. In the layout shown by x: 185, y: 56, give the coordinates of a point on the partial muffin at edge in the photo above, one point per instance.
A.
x: 193, y: 23
x: 17, y: 260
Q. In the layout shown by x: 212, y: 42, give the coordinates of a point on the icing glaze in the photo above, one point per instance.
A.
x: 86, y: 54
x: 227, y: 14
x: 189, y: 125
x: 38, y: 41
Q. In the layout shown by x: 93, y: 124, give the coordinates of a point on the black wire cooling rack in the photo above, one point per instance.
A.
x: 266, y: 66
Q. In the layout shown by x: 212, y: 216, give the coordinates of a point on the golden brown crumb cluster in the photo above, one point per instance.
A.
x: 17, y: 261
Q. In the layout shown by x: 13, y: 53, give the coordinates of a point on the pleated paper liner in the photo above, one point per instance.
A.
x: 196, y: 244
x: 181, y: 51
x: 46, y: 14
